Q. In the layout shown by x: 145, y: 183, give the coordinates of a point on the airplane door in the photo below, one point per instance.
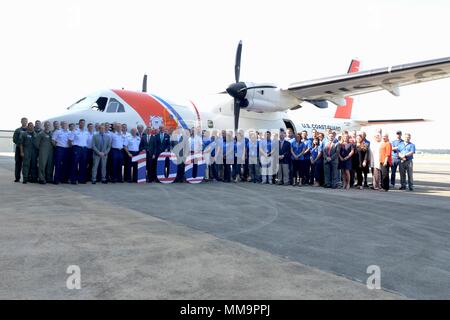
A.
x: 289, y: 125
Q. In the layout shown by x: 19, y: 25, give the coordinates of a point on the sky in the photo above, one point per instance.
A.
x: 56, y: 52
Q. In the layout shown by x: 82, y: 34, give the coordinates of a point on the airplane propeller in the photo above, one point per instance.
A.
x: 238, y: 90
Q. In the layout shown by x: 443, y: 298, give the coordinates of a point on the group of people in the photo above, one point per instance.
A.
x: 62, y: 152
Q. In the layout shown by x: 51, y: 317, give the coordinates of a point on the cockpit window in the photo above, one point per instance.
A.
x: 115, y: 106
x: 83, y: 103
x: 100, y: 104
x: 92, y: 102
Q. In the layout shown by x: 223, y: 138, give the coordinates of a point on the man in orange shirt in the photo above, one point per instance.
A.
x: 385, y: 161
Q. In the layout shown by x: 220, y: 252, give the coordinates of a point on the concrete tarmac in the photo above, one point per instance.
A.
x: 224, y: 241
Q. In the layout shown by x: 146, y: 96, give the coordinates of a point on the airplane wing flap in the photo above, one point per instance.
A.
x: 389, y: 78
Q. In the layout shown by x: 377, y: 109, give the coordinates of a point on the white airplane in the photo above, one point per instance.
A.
x: 265, y: 105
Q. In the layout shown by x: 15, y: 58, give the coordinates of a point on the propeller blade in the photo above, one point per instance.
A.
x: 237, y: 110
x: 144, y: 83
x: 237, y: 65
x: 258, y: 87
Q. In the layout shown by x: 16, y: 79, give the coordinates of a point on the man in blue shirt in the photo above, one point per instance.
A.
x: 406, y: 151
x: 290, y: 137
x: 253, y: 158
x: 305, y: 160
x: 395, y: 158
x: 265, y: 151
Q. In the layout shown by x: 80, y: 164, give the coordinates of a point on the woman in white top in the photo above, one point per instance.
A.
x: 375, y: 161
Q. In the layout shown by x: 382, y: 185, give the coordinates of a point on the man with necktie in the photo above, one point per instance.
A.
x: 148, y: 144
x: 331, y: 161
x: 101, y: 145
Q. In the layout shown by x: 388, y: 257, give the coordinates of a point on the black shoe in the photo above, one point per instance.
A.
x: 104, y: 182
x: 82, y: 182
x: 93, y: 182
x: 55, y: 182
x: 17, y: 180
x: 42, y: 182
x: 402, y: 188
x: 411, y: 189
x: 73, y: 183
x: 24, y: 182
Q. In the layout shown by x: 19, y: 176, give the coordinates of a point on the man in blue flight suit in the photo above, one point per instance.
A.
x: 78, y: 141
x: 395, y: 159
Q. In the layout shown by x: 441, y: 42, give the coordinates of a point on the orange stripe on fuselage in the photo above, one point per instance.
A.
x: 147, y: 106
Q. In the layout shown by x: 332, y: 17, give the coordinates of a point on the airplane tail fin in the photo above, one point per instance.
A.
x: 345, y: 111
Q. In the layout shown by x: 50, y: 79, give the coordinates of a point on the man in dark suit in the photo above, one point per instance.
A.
x: 331, y: 161
x: 284, y: 159
x: 162, y: 141
x: 148, y: 144
x: 162, y: 144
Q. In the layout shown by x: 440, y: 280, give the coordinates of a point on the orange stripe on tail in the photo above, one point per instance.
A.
x: 345, y: 112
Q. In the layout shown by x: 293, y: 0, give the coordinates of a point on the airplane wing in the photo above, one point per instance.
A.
x: 389, y: 121
x: 336, y: 88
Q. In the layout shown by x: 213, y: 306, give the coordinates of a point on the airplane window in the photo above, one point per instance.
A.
x: 82, y: 104
x: 100, y: 104
x: 115, y: 106
x: 112, y: 106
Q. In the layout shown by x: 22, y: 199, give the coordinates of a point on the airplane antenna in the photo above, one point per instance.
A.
x: 144, y: 83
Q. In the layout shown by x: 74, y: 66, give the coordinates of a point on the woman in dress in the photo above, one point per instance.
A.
x: 361, y: 161
x: 345, y: 161
x: 316, y: 163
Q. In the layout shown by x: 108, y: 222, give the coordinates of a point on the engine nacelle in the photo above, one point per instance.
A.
x: 261, y: 105
x: 263, y: 100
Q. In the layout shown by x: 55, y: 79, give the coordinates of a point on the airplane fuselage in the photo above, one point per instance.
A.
x: 134, y: 108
